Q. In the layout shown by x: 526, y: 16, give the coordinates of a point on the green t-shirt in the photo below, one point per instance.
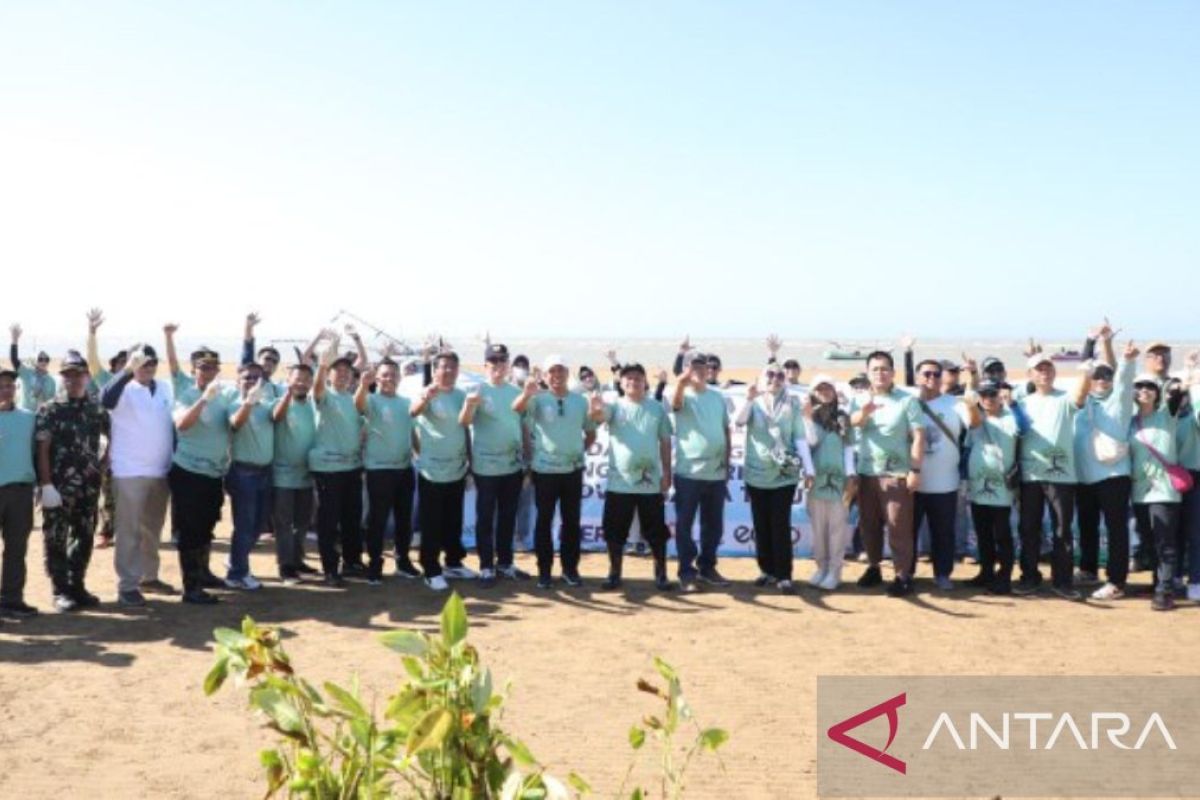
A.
x: 97, y: 383
x: 496, y: 432
x: 294, y: 438
x: 389, y: 432
x: 701, y: 427
x: 557, y: 427
x: 1048, y: 446
x: 443, y: 457
x: 16, y: 446
x: 1110, y: 415
x: 254, y: 442
x: 829, y: 463
x: 772, y: 458
x: 337, y: 446
x: 993, y: 451
x: 1187, y: 432
x: 1151, y: 483
x: 35, y: 388
x: 635, y: 431
x: 204, y: 447
x: 883, y: 442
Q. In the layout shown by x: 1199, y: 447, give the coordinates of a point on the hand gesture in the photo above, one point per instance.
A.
x: 969, y: 364
x: 252, y: 320
x: 530, y: 388
x: 135, y: 361
x: 15, y: 330
x: 350, y: 330
x: 611, y: 355
x: 661, y: 376
x: 1131, y: 352
x: 1192, y: 360
x: 368, y: 377
x: 1033, y: 349
x: 595, y: 403
x: 535, y: 376
x: 474, y: 397
x: 869, y: 407
x: 170, y: 328
x: 431, y: 391
x: 95, y: 319
x: 1103, y: 332
x: 327, y: 354
x: 255, y: 394
x: 907, y: 341
x: 752, y: 391
x: 212, y: 390
x: 773, y: 345
x: 686, y: 344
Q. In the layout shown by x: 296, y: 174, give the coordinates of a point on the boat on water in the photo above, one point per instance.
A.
x: 1066, y: 355
x: 841, y: 352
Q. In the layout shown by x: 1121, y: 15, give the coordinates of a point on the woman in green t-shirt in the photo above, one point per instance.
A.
x: 835, y: 481
x: 1153, y: 448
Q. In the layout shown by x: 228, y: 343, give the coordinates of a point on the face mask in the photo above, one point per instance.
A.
x: 520, y: 374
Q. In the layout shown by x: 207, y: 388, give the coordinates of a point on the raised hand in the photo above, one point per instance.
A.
x: 773, y: 344
x: 212, y: 391
x: 350, y: 330
x: 135, y: 361
x: 431, y: 391
x: 252, y: 320
x: 95, y: 319
x: 1032, y: 349
x: 535, y: 375
x: 474, y: 397
x: 969, y: 364
x: 368, y: 377
x: 752, y: 391
x: 907, y: 341
x: 256, y: 392
x: 1131, y: 351
x: 530, y: 388
x: 16, y: 331
x: 595, y: 403
x: 686, y: 344
x: 1103, y: 331
x: 661, y: 376
x: 611, y: 355
x: 170, y: 328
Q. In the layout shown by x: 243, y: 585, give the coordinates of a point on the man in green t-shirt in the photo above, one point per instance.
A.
x: 559, y: 433
x: 496, y: 464
x: 891, y: 448
x: 37, y: 384
x: 639, y: 473
x: 248, y: 481
x: 1048, y: 475
x: 702, y: 446
x: 292, y: 498
x: 16, y: 495
x: 442, y: 468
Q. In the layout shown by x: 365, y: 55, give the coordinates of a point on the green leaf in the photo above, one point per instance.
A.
x: 454, y: 621
x: 217, y: 675
x: 360, y: 729
x: 520, y: 753
x: 430, y: 731
x: 637, y: 737
x: 578, y: 783
x: 481, y: 692
x: 230, y: 638
x: 405, y: 707
x: 413, y: 667
x: 637, y: 794
x: 345, y: 699
x: 408, y: 643
x: 665, y: 669
x: 713, y: 738
x: 276, y: 706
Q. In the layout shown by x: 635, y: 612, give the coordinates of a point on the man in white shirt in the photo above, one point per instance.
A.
x: 141, y: 446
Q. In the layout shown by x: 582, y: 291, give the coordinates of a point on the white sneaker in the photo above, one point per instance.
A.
x: 248, y: 583
x: 1193, y: 592
x: 1109, y: 591
x: 832, y: 581
x: 437, y: 583
x: 461, y: 573
x: 817, y: 578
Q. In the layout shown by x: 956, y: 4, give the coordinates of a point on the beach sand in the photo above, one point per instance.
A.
x: 109, y: 704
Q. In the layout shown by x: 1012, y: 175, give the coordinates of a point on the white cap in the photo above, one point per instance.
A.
x: 822, y: 378
x: 555, y: 361
x: 1037, y: 359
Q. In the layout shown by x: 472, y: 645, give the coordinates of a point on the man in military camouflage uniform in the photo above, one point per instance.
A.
x: 69, y: 464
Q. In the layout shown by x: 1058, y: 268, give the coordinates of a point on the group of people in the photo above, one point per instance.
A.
x: 332, y: 426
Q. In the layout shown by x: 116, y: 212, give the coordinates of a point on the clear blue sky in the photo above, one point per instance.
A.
x: 616, y: 168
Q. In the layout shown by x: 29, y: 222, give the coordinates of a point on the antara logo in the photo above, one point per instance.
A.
x: 889, y: 707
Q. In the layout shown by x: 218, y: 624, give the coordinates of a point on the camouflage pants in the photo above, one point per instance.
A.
x: 108, y: 504
x: 69, y: 530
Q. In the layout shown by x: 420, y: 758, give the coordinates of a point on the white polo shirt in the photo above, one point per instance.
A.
x: 143, y: 434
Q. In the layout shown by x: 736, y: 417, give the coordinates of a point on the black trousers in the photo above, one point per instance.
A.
x: 1157, y: 527
x: 196, y: 502
x: 1110, y: 498
x: 564, y: 491
x: 339, y: 518
x: 993, y: 529
x: 440, y: 507
x: 389, y: 493
x: 651, y: 510
x: 496, y: 499
x: 16, y: 523
x: 771, y: 511
x: 1035, y: 496
x: 940, y: 510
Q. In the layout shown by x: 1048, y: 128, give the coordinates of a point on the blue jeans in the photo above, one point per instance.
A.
x: 940, y: 510
x: 1188, y: 545
x: 249, y: 489
x: 707, y: 497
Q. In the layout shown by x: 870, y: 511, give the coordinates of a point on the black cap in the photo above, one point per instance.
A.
x: 248, y: 366
x: 268, y: 351
x: 5, y: 372
x: 949, y: 366
x: 991, y: 364
x: 521, y: 361
x: 122, y: 355
x: 586, y: 370
x: 991, y: 387
x: 860, y: 378
x: 629, y: 369
x: 43, y: 356
x: 73, y: 362
x: 206, y: 355
x: 697, y: 358
x: 714, y: 360
x: 346, y: 360
x: 495, y: 352
x: 304, y: 365
x: 1103, y: 372
x: 145, y: 350
x: 791, y: 363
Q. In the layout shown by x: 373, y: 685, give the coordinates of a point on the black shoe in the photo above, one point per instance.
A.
x: 211, y: 581
x: 1163, y: 601
x: 1026, y: 586
x: 406, y: 569
x: 872, y: 577
x: 900, y: 587
x: 64, y: 603
x: 335, y: 581
x: 305, y: 569
x: 981, y: 581
x: 1001, y: 586
x: 200, y: 597
x: 611, y: 583
x: 572, y: 579
x: 545, y: 582
x: 354, y: 570
x: 512, y: 572
x: 289, y: 576
x: 663, y: 583
x: 712, y: 577
x: 17, y: 608
x: 83, y: 598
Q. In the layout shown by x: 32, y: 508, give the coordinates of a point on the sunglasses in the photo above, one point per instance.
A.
x: 929, y: 373
x: 775, y: 376
x: 989, y: 394
x: 560, y: 406
x: 1145, y: 387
